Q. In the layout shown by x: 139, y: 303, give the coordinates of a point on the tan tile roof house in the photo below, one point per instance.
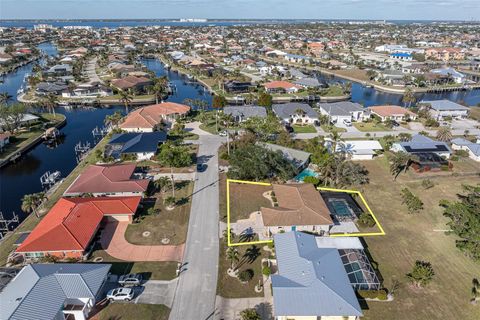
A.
x: 146, y: 118
x: 392, y: 112
x: 298, y: 205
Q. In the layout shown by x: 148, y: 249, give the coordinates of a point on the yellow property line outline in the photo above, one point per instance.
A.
x: 356, y: 234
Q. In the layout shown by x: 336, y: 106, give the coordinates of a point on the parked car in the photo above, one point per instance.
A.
x: 289, y: 129
x: 222, y: 133
x: 395, y: 123
x: 348, y: 123
x: 131, y: 279
x: 120, y: 294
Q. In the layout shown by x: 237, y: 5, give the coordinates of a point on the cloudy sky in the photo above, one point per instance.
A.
x: 295, y: 9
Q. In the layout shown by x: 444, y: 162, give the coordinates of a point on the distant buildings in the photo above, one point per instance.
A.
x: 445, y: 54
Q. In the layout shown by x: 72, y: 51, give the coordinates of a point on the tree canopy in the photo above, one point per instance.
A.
x: 465, y: 220
x: 174, y: 156
x: 11, y: 116
x: 253, y: 162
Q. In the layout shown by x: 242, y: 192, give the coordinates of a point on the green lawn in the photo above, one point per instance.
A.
x: 245, y: 199
x: 130, y: 311
x: 418, y: 236
x: 166, y: 224
x: 304, y: 129
x: 153, y: 270
x: 330, y: 128
x: 475, y: 113
x: 370, y: 126
x: 231, y: 287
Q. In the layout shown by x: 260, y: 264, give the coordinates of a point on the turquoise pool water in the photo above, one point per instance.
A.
x: 305, y: 173
x: 340, y: 207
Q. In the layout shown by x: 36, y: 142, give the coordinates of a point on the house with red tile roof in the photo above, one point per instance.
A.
x: 130, y: 82
x: 395, y: 113
x: 281, y: 87
x: 69, y: 227
x: 108, y: 180
x: 146, y: 119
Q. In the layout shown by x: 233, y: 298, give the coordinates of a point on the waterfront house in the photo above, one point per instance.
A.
x: 395, y: 113
x: 89, y: 89
x: 311, y: 282
x: 451, y: 74
x: 338, y: 112
x: 439, y: 109
x: 140, y: 145
x: 45, y: 88
x: 242, y: 113
x: 68, y: 229
x: 309, y: 82
x: 300, y: 207
x: 108, y: 180
x: 54, y: 291
x: 147, y: 119
x: 472, y: 148
x: 131, y: 82
x: 295, y: 113
x: 238, y: 86
x: 281, y: 87
x: 59, y: 70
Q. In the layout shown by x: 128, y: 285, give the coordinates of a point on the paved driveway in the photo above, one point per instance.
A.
x: 197, y: 285
x: 114, y: 242
x: 157, y: 292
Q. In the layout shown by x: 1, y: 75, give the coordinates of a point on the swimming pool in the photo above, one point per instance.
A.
x: 341, y: 208
x: 306, y: 173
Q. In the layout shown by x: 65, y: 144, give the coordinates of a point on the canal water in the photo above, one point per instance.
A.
x: 22, y: 178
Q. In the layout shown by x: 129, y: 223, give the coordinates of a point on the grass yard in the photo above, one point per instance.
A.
x: 475, y: 113
x: 245, y: 199
x: 231, y: 287
x: 331, y: 128
x: 150, y: 270
x: 418, y: 237
x: 171, y: 224
x: 370, y: 126
x: 304, y: 129
x: 131, y: 311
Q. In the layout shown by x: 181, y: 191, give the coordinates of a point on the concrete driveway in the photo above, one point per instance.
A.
x: 157, y: 292
x: 114, y: 243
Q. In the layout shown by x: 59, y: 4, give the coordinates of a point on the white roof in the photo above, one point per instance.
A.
x: 359, y: 146
x: 339, y: 243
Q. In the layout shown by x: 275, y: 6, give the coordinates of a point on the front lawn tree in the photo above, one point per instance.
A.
x: 233, y: 257
x: 444, y: 134
x: 421, y: 274
x: 400, y: 161
x: 265, y: 100
x: 250, y: 314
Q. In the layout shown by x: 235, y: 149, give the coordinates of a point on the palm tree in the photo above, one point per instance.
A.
x: 31, y: 202
x: 159, y: 90
x: 50, y: 102
x: 5, y: 97
x: 126, y: 98
x: 409, y: 97
x: 335, y: 137
x: 444, y: 134
x: 232, y: 255
x: 220, y: 78
x: 400, y: 161
x: 113, y: 119
x: 161, y: 184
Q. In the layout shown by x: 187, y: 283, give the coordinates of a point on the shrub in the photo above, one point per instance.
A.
x: 312, y: 180
x: 380, y: 294
x: 427, y: 184
x: 414, y: 204
x: 170, y: 201
x: 250, y: 314
x: 246, y: 275
x: 430, y: 122
x: 266, y: 271
x: 422, y: 273
x: 367, y: 220
x: 462, y: 153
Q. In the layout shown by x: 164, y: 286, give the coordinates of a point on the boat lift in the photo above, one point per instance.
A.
x: 101, y: 132
x: 48, y: 179
x: 6, y: 223
x: 81, y: 150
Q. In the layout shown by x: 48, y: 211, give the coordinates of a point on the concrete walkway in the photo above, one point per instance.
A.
x: 114, y: 243
x: 197, y: 285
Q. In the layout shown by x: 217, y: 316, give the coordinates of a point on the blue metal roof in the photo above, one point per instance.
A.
x: 444, y: 105
x: 311, y: 281
x: 40, y: 290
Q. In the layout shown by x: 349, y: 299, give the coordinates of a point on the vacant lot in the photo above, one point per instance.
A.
x: 130, y: 311
x: 245, y: 199
x: 370, y: 126
x: 419, y: 236
x: 171, y: 224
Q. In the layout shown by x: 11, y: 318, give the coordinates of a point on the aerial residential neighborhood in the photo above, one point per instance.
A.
x: 212, y: 160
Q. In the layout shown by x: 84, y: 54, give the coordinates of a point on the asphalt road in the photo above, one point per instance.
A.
x: 197, y: 285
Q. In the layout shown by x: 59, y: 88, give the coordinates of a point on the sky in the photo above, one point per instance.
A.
x: 242, y: 9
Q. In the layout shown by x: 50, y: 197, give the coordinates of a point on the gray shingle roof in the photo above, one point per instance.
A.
x: 474, y: 147
x: 286, y: 110
x: 312, y: 281
x: 343, y: 108
x: 421, y: 143
x: 297, y: 157
x: 444, y: 105
x: 245, y: 111
x: 40, y: 290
